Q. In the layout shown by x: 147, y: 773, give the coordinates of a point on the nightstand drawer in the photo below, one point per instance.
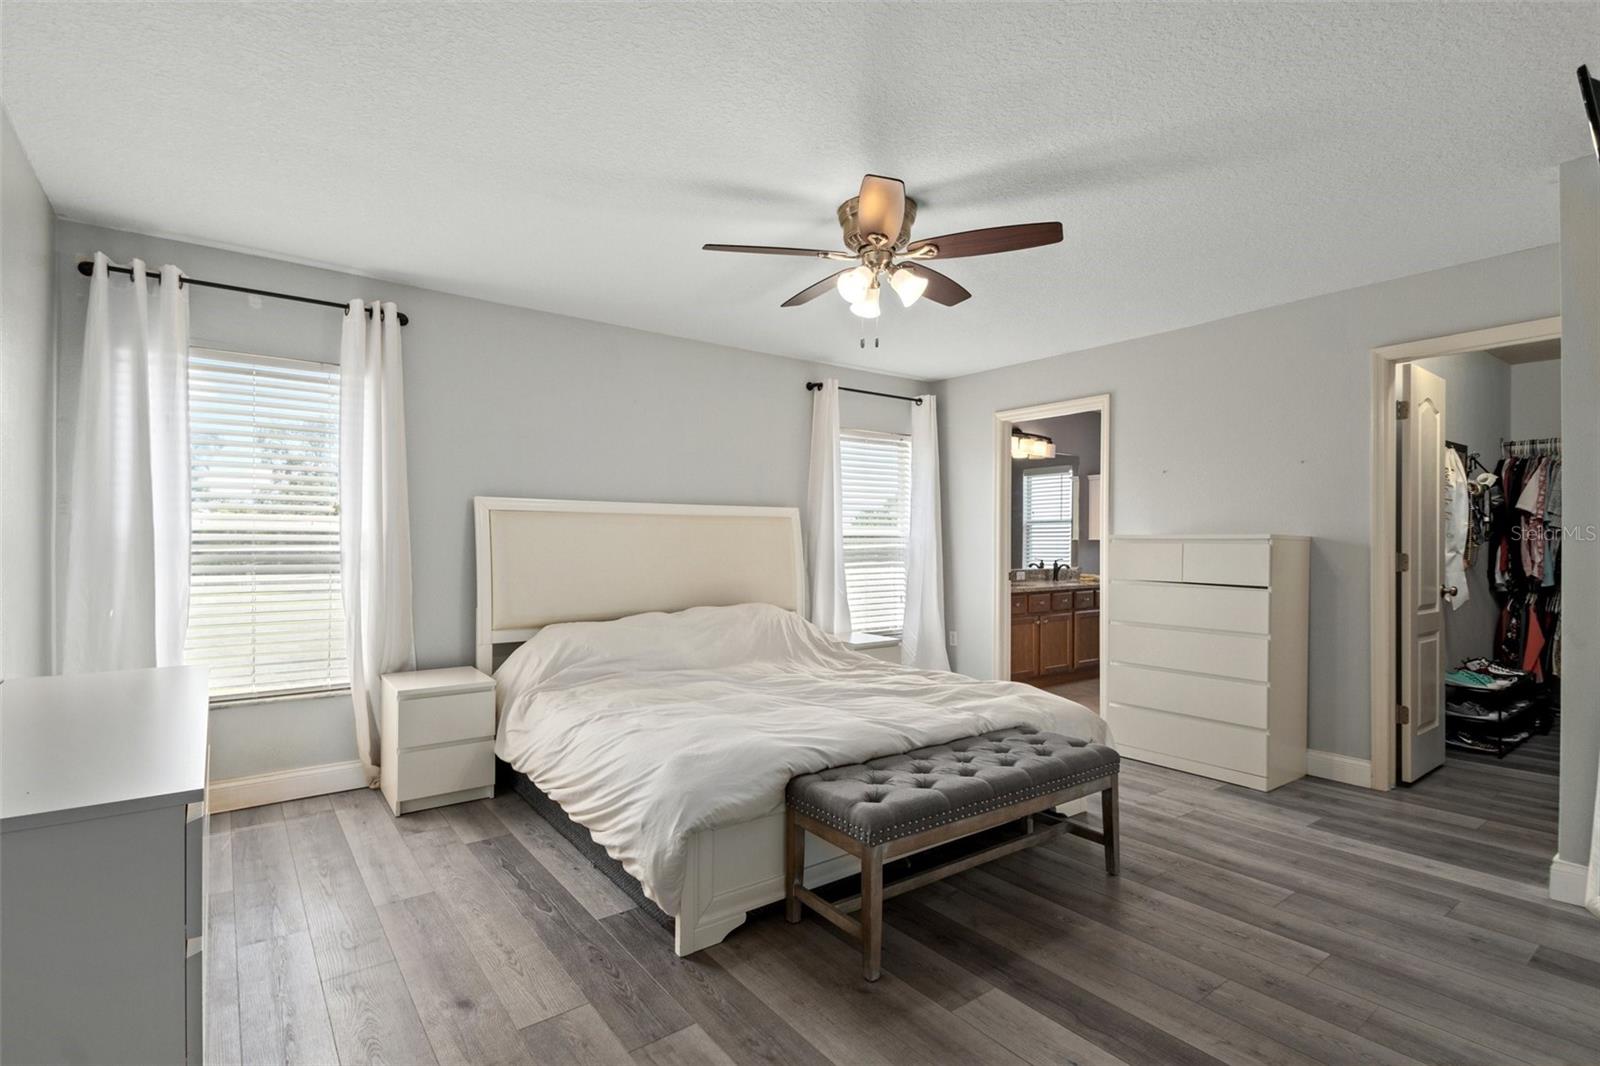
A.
x: 452, y: 768
x: 451, y: 716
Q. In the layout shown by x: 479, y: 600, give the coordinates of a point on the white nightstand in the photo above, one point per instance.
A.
x: 438, y: 738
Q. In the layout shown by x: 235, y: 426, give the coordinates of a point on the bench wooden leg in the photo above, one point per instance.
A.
x: 1108, y: 825
x: 794, y: 866
x: 871, y: 911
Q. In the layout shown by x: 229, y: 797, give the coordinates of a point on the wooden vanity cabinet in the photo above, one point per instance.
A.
x: 1024, y: 648
x: 1055, y: 635
x: 1086, y: 638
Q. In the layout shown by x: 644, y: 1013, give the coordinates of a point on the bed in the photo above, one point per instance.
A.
x: 669, y: 724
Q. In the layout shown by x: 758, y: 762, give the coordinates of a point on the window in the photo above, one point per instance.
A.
x: 1047, y: 516
x: 265, y: 607
x: 875, y: 471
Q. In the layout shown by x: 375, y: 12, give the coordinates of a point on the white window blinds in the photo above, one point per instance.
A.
x: 265, y: 613
x: 875, y: 474
x: 1047, y: 516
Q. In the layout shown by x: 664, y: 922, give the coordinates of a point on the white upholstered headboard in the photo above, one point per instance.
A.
x: 546, y: 561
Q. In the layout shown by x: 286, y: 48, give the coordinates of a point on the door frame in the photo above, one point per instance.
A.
x: 1003, y: 421
x: 1382, y: 534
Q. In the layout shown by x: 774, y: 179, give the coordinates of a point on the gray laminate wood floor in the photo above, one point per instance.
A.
x: 1316, y: 924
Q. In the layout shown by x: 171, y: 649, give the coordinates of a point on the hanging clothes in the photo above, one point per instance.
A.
x: 1457, y: 524
x: 1523, y: 523
x: 1530, y: 504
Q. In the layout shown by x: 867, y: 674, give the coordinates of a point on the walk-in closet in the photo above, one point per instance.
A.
x: 1502, y: 547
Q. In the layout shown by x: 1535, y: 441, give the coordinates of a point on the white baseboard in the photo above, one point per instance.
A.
x: 1345, y: 769
x: 235, y: 793
x: 1567, y: 881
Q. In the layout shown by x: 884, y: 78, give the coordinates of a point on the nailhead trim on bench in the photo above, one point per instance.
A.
x: 869, y: 837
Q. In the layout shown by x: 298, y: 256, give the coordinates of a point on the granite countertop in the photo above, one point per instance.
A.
x: 1053, y: 586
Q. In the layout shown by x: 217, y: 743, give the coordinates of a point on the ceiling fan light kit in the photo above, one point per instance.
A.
x: 876, y: 225
x: 867, y: 306
x: 853, y: 284
x: 908, y: 284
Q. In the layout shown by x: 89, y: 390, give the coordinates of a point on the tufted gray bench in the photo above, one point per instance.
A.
x: 899, y: 804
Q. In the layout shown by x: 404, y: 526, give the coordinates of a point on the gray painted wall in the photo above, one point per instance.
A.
x: 1580, y: 474
x: 1536, y: 399
x: 27, y: 391
x: 499, y: 401
x: 1257, y: 423
x: 1477, y: 413
x: 1074, y: 435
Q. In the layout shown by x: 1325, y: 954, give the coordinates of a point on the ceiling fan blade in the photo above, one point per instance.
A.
x: 941, y: 289
x: 765, y: 249
x: 806, y: 295
x: 989, y: 241
x: 881, y: 207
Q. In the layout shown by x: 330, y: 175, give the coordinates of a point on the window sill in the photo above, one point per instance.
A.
x: 221, y: 702
x: 869, y: 641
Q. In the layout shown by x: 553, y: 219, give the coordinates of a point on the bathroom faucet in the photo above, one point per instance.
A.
x: 1055, y: 571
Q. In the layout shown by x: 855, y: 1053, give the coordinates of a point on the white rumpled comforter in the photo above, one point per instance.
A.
x: 650, y: 728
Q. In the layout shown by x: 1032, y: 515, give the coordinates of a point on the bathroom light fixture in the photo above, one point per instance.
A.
x: 1031, y: 445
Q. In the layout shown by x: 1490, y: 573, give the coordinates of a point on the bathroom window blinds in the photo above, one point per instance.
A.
x: 1047, y: 516
x: 266, y: 613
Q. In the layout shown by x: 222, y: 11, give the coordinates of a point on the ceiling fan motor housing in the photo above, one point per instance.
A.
x: 856, y: 241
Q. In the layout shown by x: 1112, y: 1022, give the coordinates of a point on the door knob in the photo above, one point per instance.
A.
x: 1449, y: 591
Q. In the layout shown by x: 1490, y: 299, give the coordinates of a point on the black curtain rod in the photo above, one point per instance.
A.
x: 86, y: 268
x: 812, y: 386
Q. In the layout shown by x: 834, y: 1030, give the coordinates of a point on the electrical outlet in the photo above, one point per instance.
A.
x: 952, y: 638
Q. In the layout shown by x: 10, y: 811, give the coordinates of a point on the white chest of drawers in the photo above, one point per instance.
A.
x: 438, y: 738
x: 1206, y: 654
x: 102, y: 866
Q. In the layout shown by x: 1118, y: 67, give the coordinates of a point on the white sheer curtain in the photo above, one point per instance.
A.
x: 922, y: 639
x: 830, y: 602
x: 125, y: 577
x: 1591, y: 889
x: 374, y: 526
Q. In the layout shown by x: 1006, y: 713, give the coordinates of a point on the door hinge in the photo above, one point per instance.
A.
x: 1402, y: 562
x: 1402, y: 715
x: 1402, y: 409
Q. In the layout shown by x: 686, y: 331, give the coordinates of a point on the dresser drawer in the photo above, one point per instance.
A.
x: 1241, y: 703
x: 1228, y: 562
x: 1238, y: 655
x: 451, y: 716
x: 1148, y: 560
x: 451, y: 768
x: 1197, y: 739
x: 1194, y: 606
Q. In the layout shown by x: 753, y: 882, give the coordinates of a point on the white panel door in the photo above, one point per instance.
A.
x: 1421, y: 436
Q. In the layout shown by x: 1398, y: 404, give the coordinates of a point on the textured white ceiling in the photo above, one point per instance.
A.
x: 1206, y: 159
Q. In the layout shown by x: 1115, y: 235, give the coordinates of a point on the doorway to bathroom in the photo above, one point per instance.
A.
x: 1052, y: 472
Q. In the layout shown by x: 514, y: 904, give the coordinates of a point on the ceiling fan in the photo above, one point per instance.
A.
x: 877, y: 234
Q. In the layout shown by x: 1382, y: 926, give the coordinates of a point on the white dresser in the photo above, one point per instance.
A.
x: 102, y: 866
x: 1206, y: 654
